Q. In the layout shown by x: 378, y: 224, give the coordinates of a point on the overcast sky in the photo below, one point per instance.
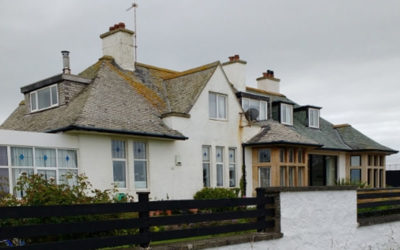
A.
x: 341, y: 55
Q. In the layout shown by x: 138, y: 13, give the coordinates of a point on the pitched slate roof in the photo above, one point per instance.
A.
x: 358, y: 141
x: 343, y: 138
x: 114, y: 102
x: 274, y: 132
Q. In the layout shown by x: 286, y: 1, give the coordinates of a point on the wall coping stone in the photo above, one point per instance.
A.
x: 309, y: 189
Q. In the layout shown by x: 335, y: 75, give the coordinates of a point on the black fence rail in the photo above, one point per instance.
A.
x: 378, y: 205
x: 106, y: 225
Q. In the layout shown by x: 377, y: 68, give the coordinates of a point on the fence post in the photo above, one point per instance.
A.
x: 144, y: 217
x: 261, y: 206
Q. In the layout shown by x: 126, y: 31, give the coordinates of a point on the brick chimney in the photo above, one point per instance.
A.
x: 235, y: 70
x: 118, y: 43
x: 268, y: 82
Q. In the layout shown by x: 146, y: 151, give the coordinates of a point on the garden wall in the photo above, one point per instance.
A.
x: 325, y: 218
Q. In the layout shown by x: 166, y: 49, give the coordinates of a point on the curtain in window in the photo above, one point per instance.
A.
x: 67, y: 159
x: 21, y: 156
x: 140, y: 174
x: 44, y: 98
x: 265, y: 177
x: 212, y: 105
x: 220, y: 175
x: 206, y: 174
x: 4, y: 181
x: 232, y: 171
x: 47, y: 174
x: 3, y: 156
x: 118, y: 149
x: 119, y: 173
x: 62, y: 176
x: 45, y: 157
x: 221, y: 107
x: 263, y: 111
x: 16, y: 173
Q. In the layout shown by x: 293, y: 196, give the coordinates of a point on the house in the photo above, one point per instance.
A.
x: 145, y: 128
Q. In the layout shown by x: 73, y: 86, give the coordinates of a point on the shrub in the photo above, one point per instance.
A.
x: 347, y: 182
x: 216, y: 193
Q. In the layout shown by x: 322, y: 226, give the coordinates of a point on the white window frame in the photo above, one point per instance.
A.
x: 232, y: 165
x: 313, y: 118
x: 147, y: 165
x: 219, y: 164
x: 120, y: 160
x: 217, y: 114
x: 247, y: 100
x: 208, y: 147
x: 34, y: 167
x: 288, y: 114
x: 36, y: 98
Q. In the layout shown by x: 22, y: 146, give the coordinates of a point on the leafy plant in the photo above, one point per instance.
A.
x: 347, y: 182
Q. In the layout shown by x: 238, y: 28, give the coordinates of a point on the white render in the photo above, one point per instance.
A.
x: 236, y: 73
x: 325, y: 220
x: 268, y: 85
x: 119, y: 45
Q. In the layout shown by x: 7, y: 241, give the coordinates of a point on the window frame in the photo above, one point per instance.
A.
x: 269, y: 175
x: 244, y: 99
x: 146, y: 160
x: 287, y: 107
x: 217, y: 113
x: 313, y: 123
x: 208, y: 182
x: 115, y: 159
x: 351, y: 162
x: 219, y: 165
x: 232, y: 165
x: 36, y: 98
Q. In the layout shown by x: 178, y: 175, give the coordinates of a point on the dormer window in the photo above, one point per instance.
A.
x: 313, y: 118
x: 44, y: 98
x: 286, y: 114
x: 258, y: 108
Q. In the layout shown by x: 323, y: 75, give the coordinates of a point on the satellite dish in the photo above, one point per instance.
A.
x: 251, y: 114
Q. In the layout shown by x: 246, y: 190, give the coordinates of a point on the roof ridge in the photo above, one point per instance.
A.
x: 194, y: 70
x: 156, y: 68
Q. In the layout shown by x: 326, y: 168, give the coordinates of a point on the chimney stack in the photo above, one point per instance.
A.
x: 66, y: 69
x: 268, y: 82
x: 235, y: 70
x: 118, y: 43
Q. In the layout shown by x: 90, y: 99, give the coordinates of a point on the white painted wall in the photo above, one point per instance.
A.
x: 325, y: 220
x: 119, y: 45
x: 236, y: 73
x: 268, y: 85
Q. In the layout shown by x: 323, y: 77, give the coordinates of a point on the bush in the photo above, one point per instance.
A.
x: 347, y: 182
x: 216, y: 193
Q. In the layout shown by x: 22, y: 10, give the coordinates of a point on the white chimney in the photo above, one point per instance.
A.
x: 268, y: 82
x: 118, y: 43
x: 235, y: 70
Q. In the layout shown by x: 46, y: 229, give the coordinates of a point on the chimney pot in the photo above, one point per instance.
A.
x: 66, y: 68
x: 111, y: 28
x: 236, y: 57
x: 116, y: 26
x: 231, y: 58
x: 121, y: 25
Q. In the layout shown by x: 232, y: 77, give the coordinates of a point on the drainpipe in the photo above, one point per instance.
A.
x: 244, y: 171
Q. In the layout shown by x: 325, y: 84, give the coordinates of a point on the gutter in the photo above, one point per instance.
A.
x: 281, y: 143
x: 115, y: 131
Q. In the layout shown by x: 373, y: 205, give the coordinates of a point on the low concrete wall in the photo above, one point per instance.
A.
x: 325, y: 218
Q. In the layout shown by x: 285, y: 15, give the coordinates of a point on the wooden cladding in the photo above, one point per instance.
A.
x: 279, y: 166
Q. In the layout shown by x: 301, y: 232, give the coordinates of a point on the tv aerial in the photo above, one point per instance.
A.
x: 134, y: 7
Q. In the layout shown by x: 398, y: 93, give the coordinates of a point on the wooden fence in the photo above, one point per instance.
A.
x: 68, y: 227
x: 378, y: 205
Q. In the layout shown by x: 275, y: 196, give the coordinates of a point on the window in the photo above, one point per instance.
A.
x: 260, y: 106
x: 140, y: 164
x: 355, y: 175
x: 282, y: 153
x: 219, y: 154
x: 283, y: 176
x: 286, y: 114
x: 382, y: 178
x: 217, y: 106
x: 232, y: 167
x: 206, y: 165
x: 119, y: 163
x: 291, y: 176
x: 300, y: 177
x: 291, y: 155
x: 3, y: 156
x: 4, y: 180
x: 265, y: 176
x: 46, y: 163
x: 67, y: 166
x: 264, y: 155
x: 355, y: 161
x: 44, y: 98
x: 300, y: 156
x: 313, y: 118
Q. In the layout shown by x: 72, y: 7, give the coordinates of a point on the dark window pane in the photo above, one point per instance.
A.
x: 3, y: 156
x: 4, y: 181
x: 264, y: 155
x: 355, y: 175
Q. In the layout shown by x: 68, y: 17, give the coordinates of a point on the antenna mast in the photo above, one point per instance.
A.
x: 134, y: 7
